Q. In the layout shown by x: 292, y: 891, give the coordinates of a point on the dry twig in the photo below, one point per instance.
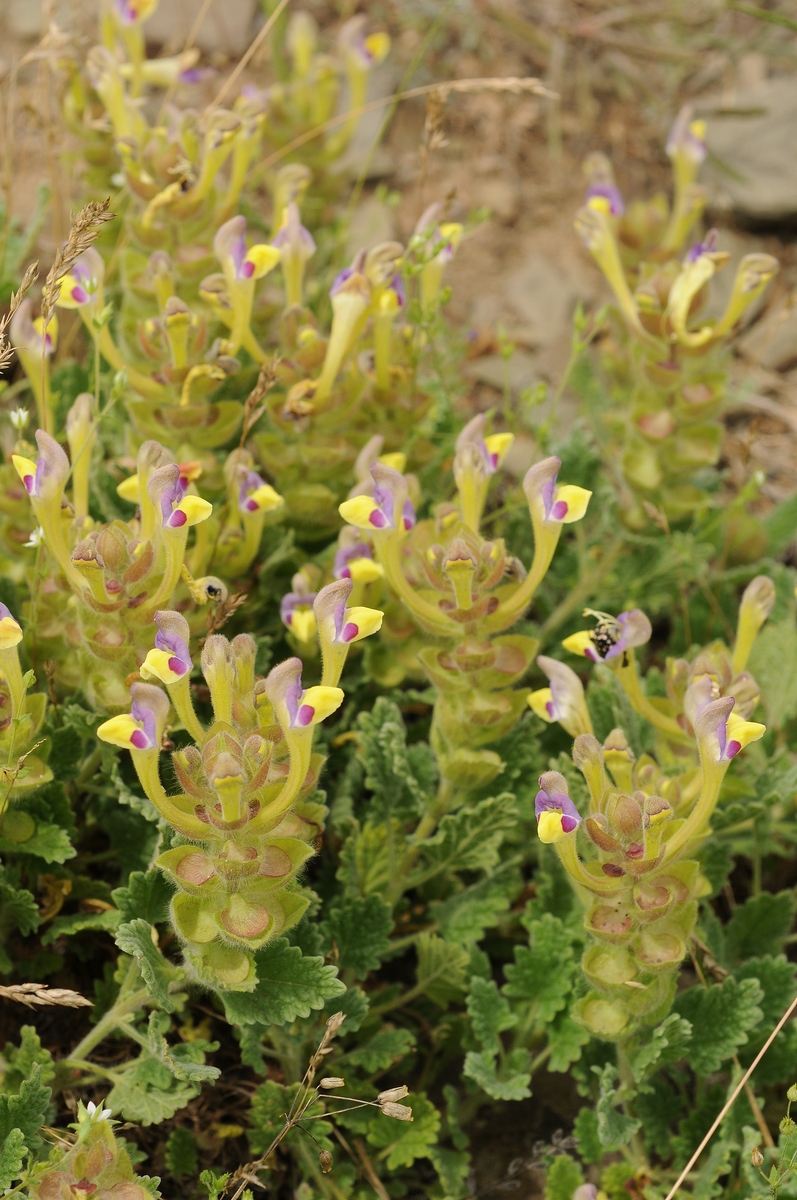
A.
x: 28, y: 280
x: 253, y: 408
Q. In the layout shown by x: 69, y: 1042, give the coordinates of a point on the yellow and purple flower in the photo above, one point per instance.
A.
x: 296, y: 613
x: 83, y: 285
x: 255, y: 495
x: 563, y: 701
x: 356, y: 562
x: 297, y: 707
x: 551, y: 502
x: 389, y: 508
x: 44, y: 479
x: 721, y: 734
x: 612, y: 636
x: 238, y: 262
x: 167, y: 490
x: 556, y: 814
x: 142, y: 727
x: 170, y: 659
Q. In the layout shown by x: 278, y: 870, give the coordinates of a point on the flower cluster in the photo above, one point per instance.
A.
x: 665, y: 362
x: 244, y: 820
x: 637, y: 872
x: 462, y: 588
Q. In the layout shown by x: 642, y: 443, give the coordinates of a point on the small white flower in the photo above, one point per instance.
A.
x: 36, y: 538
x: 19, y: 418
x: 97, y: 1114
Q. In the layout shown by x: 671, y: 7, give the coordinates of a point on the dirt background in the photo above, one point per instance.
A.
x: 620, y: 72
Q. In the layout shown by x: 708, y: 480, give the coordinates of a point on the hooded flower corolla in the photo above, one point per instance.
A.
x: 721, y: 734
x: 170, y: 659
x: 296, y: 613
x: 356, y: 562
x: 255, y: 495
x: 10, y: 629
x: 297, y: 707
x: 84, y: 282
x: 140, y: 729
x: 389, y: 508
x: 612, y: 636
x: 556, y: 813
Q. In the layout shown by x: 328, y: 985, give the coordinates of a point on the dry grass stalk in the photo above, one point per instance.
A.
x: 515, y: 85
x: 253, y: 407
x: 85, y: 230
x: 38, y: 995
x: 221, y: 614
x: 28, y: 280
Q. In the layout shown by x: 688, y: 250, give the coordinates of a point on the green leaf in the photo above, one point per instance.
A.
x: 364, y: 862
x: 19, y: 903
x: 542, y: 972
x: 400, y: 777
x: 12, y: 1158
x: 614, y: 1127
x: 359, y: 932
x: 776, y: 977
x: 289, y: 986
x: 659, y: 1106
x: 181, y: 1156
x: 146, y: 895
x: 489, y: 1013
x: 509, y: 1082
x: 466, y: 915
x: 20, y: 1060
x: 781, y: 523
x: 441, y: 969
x: 469, y: 839
x: 382, y: 1050
x: 669, y: 1042
x: 270, y: 1103
x: 721, y: 1017
x: 567, y: 1038
x: 149, y: 1093
x: 453, y: 1167
x: 773, y: 663
x: 25, y: 1111
x: 406, y: 1141
x: 353, y: 1003
x: 215, y: 1185
x: 760, y: 925
x: 48, y: 842
x: 185, y: 1060
x: 585, y: 1131
x: 562, y: 1178
x: 78, y: 922
x: 135, y: 938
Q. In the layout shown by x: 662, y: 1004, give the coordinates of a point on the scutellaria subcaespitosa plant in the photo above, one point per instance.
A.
x: 249, y: 462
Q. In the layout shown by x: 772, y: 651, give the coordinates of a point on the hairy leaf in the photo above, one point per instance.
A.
x: 406, y: 1141
x: 441, y: 969
x: 562, y: 1178
x: 469, y: 839
x: 26, y: 1110
x: 567, y: 1038
x: 760, y: 925
x: 360, y: 933
x: 466, y: 915
x: 382, y: 1050
x: 400, y: 777
x: 667, y: 1043
x: 721, y: 1017
x: 181, y: 1156
x: 12, y: 1157
x: 489, y: 1013
x: 108, y: 920
x: 135, y: 938
x: 614, y: 1127
x: 510, y: 1082
x: 145, y: 895
x: 289, y: 986
x: 20, y: 1060
x: 542, y: 972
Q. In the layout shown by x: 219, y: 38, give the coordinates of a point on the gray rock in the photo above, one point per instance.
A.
x: 752, y: 164
x: 772, y: 342
x: 227, y: 28
x: 520, y: 371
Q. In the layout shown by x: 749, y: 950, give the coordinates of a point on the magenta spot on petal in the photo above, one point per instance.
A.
x: 378, y: 519
x: 408, y: 523
x: 247, y: 269
x: 138, y: 739
x: 28, y: 480
x: 494, y: 461
x: 350, y: 631
x: 345, y: 573
x: 305, y: 714
x: 177, y: 666
x: 79, y: 294
x: 549, y: 709
x: 590, y: 654
x: 733, y: 748
x: 251, y: 506
x: 559, y: 510
x: 177, y: 519
x: 568, y: 823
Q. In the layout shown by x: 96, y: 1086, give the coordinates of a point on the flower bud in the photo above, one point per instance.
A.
x: 393, y: 1094
x: 331, y: 1081
x: 756, y: 1157
x: 325, y: 1161
x: 757, y: 603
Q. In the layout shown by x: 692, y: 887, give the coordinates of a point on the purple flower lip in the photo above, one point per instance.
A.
x: 707, y: 246
x: 143, y: 739
x: 293, y: 600
x: 252, y: 481
x: 180, y: 661
x: 347, y: 554
x: 607, y: 191
x: 382, y: 516
x: 558, y: 802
